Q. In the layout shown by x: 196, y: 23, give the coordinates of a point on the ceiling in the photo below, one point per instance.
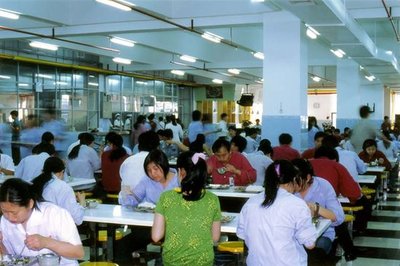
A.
x: 165, y: 29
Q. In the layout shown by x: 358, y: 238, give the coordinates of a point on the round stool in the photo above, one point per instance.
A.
x: 102, y: 236
x: 235, y: 247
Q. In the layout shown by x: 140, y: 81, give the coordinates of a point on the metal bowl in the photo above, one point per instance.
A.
x: 91, y: 203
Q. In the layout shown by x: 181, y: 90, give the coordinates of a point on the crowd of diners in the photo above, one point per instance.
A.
x: 41, y: 212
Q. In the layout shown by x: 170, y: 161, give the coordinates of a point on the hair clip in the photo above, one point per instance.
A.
x: 196, y: 156
x: 278, y: 169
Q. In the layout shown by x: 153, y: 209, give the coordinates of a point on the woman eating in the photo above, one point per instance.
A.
x: 30, y: 227
x: 371, y: 155
x: 52, y: 188
x: 189, y: 217
x: 159, y: 179
x: 276, y: 225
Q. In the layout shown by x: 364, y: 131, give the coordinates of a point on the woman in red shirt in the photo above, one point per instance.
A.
x: 111, y: 161
x: 370, y: 154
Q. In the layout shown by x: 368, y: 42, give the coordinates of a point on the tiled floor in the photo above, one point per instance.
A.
x: 381, y: 243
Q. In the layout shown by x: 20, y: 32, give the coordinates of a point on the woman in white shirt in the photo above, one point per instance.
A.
x: 283, y: 224
x: 176, y: 129
x: 30, y: 227
x: 53, y: 189
x: 83, y: 160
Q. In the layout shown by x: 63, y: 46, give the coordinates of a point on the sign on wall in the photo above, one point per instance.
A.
x: 214, y: 92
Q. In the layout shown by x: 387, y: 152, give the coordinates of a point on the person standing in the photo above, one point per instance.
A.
x: 223, y: 126
x: 15, y: 133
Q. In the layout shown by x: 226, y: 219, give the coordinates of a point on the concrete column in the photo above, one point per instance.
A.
x: 285, y: 79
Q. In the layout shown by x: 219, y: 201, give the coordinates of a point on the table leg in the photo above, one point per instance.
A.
x: 93, y: 239
x: 110, y: 242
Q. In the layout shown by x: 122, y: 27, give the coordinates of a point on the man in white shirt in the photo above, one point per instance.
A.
x: 260, y: 160
x: 349, y: 159
x: 223, y: 126
x: 132, y: 170
x: 251, y: 135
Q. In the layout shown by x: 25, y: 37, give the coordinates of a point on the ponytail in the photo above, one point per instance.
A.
x: 192, y: 185
x: 86, y: 139
x: 51, y: 165
x: 277, y: 173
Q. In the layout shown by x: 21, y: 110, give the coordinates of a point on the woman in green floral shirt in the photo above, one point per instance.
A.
x: 189, y: 217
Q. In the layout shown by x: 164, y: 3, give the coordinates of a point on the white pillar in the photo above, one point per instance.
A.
x: 285, y: 79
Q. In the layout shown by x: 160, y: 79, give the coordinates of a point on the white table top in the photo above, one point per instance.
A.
x: 342, y: 199
x: 366, y: 179
x: 78, y: 183
x: 375, y: 169
x: 231, y: 193
x: 117, y: 214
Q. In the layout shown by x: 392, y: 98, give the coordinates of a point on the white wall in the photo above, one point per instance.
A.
x: 322, y: 106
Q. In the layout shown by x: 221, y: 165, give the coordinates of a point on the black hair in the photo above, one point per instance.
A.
x: 139, y: 120
x: 285, y: 139
x: 251, y: 130
x: 364, y: 111
x: 223, y: 115
x: 206, y: 118
x: 168, y: 133
x: 148, y: 141
x: 51, y: 165
x: 44, y: 147
x: 239, y: 142
x: 119, y: 151
x: 312, y: 122
x: 19, y: 192
x: 193, y: 183
x: 197, y: 145
x: 47, y: 137
x: 86, y: 139
x: 159, y: 158
x: 330, y: 141
x: 232, y: 128
x: 277, y: 173
x: 328, y: 152
x: 196, y: 115
x: 151, y: 116
x: 160, y: 118
x: 319, y: 134
x: 14, y: 112
x: 219, y: 143
x: 173, y: 120
x: 305, y: 169
x: 265, y: 147
x: 368, y: 143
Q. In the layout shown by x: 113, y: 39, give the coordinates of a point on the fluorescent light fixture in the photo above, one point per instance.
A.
x: 257, y: 1
x: 389, y: 52
x: 312, y: 33
x: 370, y: 78
x: 8, y: 14
x: 122, y: 60
x: 23, y: 84
x: 316, y: 78
x: 188, y: 58
x: 217, y: 81
x: 4, y: 77
x: 259, y: 55
x: 259, y: 81
x: 61, y: 83
x: 141, y: 82
x: 234, y: 71
x: 44, y: 76
x: 361, y: 67
x: 122, y: 41
x: 211, y: 37
x: 115, y: 4
x: 91, y: 76
x: 43, y: 45
x: 93, y: 84
x: 178, y: 72
x: 338, y: 52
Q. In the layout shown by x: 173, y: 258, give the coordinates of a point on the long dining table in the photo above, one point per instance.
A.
x: 120, y: 215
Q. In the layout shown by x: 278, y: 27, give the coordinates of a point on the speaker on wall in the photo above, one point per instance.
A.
x: 246, y: 99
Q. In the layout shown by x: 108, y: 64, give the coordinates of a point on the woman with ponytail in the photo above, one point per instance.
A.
x: 275, y: 225
x: 50, y: 186
x: 188, y: 215
x: 83, y: 160
x: 111, y: 161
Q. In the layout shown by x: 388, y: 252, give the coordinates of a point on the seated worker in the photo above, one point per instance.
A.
x: 260, y: 160
x: 226, y: 163
x: 169, y: 145
x: 284, y: 151
x: 31, y: 227
x: 32, y: 165
x: 370, y: 154
x: 160, y: 177
x: 309, y: 153
x: 6, y: 164
x: 252, y: 144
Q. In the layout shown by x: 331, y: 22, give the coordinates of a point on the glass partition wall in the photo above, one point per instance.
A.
x: 81, y: 98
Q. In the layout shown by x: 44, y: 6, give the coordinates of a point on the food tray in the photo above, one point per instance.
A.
x: 8, y: 260
x: 217, y: 186
x: 227, y: 218
x: 144, y: 209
